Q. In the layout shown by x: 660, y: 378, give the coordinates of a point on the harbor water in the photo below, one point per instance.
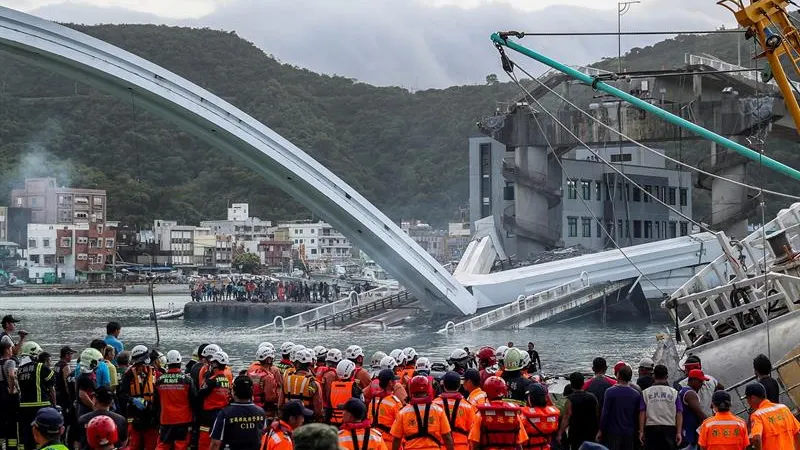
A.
x: 55, y: 321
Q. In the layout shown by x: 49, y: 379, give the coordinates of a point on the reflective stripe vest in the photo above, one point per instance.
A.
x: 34, y: 391
x: 477, y: 397
x: 358, y: 438
x: 142, y: 383
x: 541, y: 424
x: 500, y: 425
x: 423, y: 422
x: 301, y: 386
x: 220, y: 396
x: 460, y: 415
x: 382, y: 411
x: 283, y: 365
x: 341, y: 392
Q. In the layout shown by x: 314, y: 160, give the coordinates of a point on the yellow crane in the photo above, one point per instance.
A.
x: 772, y: 26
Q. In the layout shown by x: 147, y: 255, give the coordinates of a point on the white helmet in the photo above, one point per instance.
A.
x: 210, y: 350
x: 286, y: 348
x: 265, y: 353
x: 500, y: 353
x: 304, y: 356
x: 162, y: 358
x: 266, y: 344
x: 459, y: 355
x: 377, y: 357
x: 334, y: 356
x: 320, y: 352
x: 295, y: 351
x: 353, y: 352
x: 388, y: 363
x: 345, y: 369
x: 399, y: 357
x: 31, y: 349
x: 174, y: 357
x: 423, y: 364
x: 410, y: 353
x: 220, y: 358
x: 140, y: 353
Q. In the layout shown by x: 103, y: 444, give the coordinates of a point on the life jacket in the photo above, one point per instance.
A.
x: 220, y: 396
x: 422, y: 424
x: 541, y: 424
x: 301, y: 386
x: 341, y: 392
x: 376, y: 404
x: 277, y: 428
x: 351, y: 439
x: 451, y: 403
x: 174, y: 392
x: 500, y: 425
x: 142, y: 388
x: 261, y: 375
x: 283, y: 365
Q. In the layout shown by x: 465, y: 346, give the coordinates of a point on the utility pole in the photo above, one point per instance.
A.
x: 622, y: 9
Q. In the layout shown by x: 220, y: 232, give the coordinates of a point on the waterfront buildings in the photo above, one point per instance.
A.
x: 51, y: 203
x: 240, y: 225
x: 70, y: 253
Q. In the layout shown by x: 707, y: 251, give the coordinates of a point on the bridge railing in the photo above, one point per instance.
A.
x: 517, y: 307
x: 351, y: 300
x: 340, y: 318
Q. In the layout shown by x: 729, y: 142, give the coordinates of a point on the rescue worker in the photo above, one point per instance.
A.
x: 459, y: 412
x: 384, y: 406
x: 400, y: 365
x: 204, y: 351
x: 47, y: 428
x: 174, y: 396
x: 215, y: 393
x: 332, y: 359
x: 267, y: 381
x: 375, y: 363
x: 136, y: 401
x: 539, y: 419
x: 293, y: 355
x: 9, y: 400
x: 498, y: 424
x: 411, y: 357
x: 240, y: 425
x: 343, y: 389
x: 518, y: 385
x: 499, y: 356
x: 356, y: 354
x: 302, y: 385
x: 772, y: 425
x: 357, y: 432
x: 486, y: 360
x: 460, y: 361
x: 102, y: 433
x: 103, y: 402
x: 65, y: 387
x: 423, y: 368
x: 723, y: 430
x: 421, y: 425
x: 36, y: 391
x: 320, y: 366
x: 257, y: 362
x: 286, y: 361
x: 472, y: 385
x: 279, y: 437
x: 387, y: 363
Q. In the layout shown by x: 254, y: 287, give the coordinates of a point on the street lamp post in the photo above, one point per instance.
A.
x: 622, y: 9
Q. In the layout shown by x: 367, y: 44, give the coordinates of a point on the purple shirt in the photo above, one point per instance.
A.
x: 620, y: 411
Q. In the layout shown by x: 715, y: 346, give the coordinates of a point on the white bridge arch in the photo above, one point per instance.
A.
x: 111, y: 69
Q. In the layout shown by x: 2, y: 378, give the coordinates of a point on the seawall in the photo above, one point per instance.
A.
x: 243, y: 311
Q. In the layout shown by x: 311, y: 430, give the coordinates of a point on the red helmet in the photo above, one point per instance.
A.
x: 495, y: 387
x: 486, y: 356
x: 419, y: 385
x: 101, y: 431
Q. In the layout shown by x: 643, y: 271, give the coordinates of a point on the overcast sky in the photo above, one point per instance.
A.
x: 411, y: 43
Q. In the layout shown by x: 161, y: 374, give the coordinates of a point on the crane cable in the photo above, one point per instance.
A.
x: 633, y: 141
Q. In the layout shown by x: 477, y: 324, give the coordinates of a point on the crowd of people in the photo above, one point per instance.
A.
x: 268, y: 290
x: 296, y: 398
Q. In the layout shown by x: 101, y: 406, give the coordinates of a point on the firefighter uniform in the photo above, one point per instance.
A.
x: 477, y: 397
x: 498, y: 426
x: 267, y: 385
x: 216, y: 395
x: 302, y: 385
x: 174, y: 397
x: 460, y: 415
x: 775, y: 424
x: 36, y: 384
x: 422, y: 426
x: 341, y: 392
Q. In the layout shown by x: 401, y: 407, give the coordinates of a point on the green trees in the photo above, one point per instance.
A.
x: 247, y: 263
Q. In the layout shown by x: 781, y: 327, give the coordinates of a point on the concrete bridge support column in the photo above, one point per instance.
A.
x: 531, y: 221
x: 728, y: 202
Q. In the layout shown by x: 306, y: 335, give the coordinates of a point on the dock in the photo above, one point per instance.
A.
x: 243, y: 311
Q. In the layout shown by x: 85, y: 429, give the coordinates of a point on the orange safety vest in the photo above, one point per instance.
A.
x: 423, y: 422
x: 477, y: 397
x: 341, y: 392
x: 460, y: 415
x: 359, y: 438
x: 174, y: 395
x: 407, y: 374
x: 382, y: 411
x: 263, y: 375
x: 500, y: 425
x: 301, y: 386
x: 541, y: 424
x: 143, y: 388
x: 220, y: 396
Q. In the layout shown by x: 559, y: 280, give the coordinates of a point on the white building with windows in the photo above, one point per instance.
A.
x: 41, y: 254
x: 240, y: 225
x: 318, y: 241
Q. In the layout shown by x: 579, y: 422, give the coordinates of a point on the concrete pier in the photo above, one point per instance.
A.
x: 243, y: 311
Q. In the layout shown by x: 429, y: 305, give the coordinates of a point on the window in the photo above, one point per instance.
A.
x: 684, y: 228
x: 100, y: 243
x: 649, y: 190
x: 673, y: 229
x: 49, y: 260
x: 313, y: 251
x: 671, y: 198
x: 648, y: 229
x: 637, y: 229
x: 31, y: 243
x: 81, y: 215
x: 572, y: 190
x: 34, y: 259
x: 599, y: 230
x: 60, y: 260
x: 109, y: 243
x: 98, y: 201
x: 657, y: 192
x: 34, y: 202
x: 684, y: 197
x: 572, y: 226
x: 312, y: 241
x: 627, y: 228
x: 83, y: 240
x: 619, y: 229
x: 66, y: 242
x: 81, y: 200
x: 627, y: 191
x: 586, y: 189
x: 586, y: 224
x: 625, y: 157
x: 598, y: 190
x: 92, y: 243
x: 99, y: 259
x: 658, y: 230
x: 637, y: 194
x: 46, y: 243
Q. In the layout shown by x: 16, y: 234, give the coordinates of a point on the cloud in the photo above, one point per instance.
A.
x: 415, y: 45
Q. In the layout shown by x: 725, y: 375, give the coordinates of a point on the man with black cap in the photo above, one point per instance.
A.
x: 293, y: 416
x: 9, y: 325
x: 47, y: 429
x: 103, y: 401
x: 723, y: 430
x: 772, y: 425
x: 660, y: 413
x: 356, y: 429
x: 240, y: 425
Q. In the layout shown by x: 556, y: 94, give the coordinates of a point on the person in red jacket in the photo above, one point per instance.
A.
x: 174, y: 396
x: 215, y: 394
